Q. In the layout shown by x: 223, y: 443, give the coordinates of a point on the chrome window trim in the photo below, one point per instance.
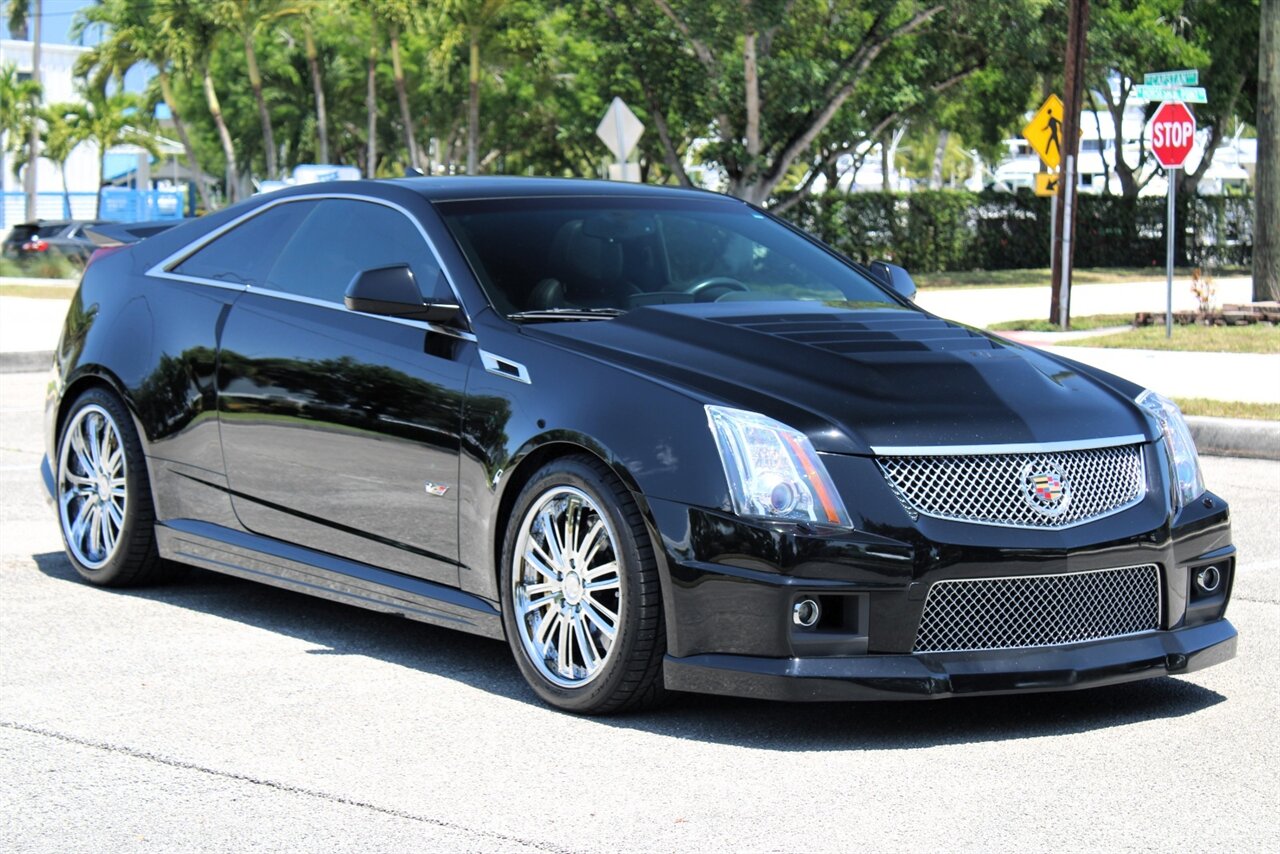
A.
x: 1013, y: 448
x: 162, y: 269
x: 337, y: 306
x: 491, y: 360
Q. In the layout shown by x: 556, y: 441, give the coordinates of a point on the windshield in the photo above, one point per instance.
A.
x: 553, y: 257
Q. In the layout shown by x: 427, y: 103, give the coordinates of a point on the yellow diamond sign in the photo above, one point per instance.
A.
x: 1047, y: 183
x: 1044, y: 131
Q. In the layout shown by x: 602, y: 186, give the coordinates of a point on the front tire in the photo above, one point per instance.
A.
x: 104, y: 498
x: 581, y: 602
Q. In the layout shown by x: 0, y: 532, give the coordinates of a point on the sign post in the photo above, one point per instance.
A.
x: 1044, y: 134
x: 1173, y: 133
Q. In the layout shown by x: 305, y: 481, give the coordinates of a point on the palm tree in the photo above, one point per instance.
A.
x: 18, y: 100
x: 397, y: 16
x: 475, y: 21
x: 192, y: 34
x: 19, y: 107
x: 248, y: 17
x: 110, y: 120
x: 60, y: 136
x: 131, y: 39
x: 317, y: 86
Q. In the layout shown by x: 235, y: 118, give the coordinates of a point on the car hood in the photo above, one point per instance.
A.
x: 862, y: 379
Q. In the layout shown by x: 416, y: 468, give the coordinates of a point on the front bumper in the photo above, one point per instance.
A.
x: 937, y: 675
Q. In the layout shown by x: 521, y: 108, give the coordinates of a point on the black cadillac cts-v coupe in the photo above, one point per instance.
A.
x: 656, y: 439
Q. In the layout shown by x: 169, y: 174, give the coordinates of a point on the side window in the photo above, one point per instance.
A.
x: 244, y: 254
x: 340, y: 238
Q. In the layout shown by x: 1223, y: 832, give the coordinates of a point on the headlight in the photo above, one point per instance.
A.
x: 1181, y: 447
x: 773, y: 470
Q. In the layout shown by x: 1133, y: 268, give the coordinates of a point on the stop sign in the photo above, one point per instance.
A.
x: 1173, y: 132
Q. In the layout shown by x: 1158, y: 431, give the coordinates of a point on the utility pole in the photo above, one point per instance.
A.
x: 29, y: 185
x: 1064, y: 202
x: 1266, y: 196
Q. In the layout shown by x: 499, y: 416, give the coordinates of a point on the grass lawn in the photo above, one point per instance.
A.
x: 1078, y: 324
x: 1228, y: 409
x: 1258, y: 338
x: 1041, y: 277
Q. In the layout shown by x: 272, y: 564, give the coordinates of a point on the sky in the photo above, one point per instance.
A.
x: 57, y: 18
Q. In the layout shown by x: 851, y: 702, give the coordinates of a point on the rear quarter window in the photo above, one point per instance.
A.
x: 245, y: 254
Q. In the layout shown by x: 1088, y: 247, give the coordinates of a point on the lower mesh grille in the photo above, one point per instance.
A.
x: 1042, y: 610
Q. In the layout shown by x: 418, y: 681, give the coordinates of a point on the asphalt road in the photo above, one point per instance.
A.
x: 216, y: 714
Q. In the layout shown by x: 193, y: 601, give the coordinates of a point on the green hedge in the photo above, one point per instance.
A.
x: 956, y: 230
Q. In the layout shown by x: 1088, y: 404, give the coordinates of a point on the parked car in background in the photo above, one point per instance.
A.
x: 654, y: 438
x: 44, y: 237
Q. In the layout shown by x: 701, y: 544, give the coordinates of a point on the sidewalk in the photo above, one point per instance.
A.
x: 983, y: 306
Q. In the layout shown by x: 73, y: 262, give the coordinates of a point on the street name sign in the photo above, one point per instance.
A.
x: 1185, y: 77
x: 1044, y: 131
x: 1191, y: 94
x: 1173, y: 133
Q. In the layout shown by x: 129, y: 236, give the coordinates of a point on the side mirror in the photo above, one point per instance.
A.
x: 896, y: 278
x: 394, y: 292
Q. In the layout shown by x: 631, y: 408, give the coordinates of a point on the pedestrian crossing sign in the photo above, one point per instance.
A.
x: 1047, y: 183
x: 1044, y: 131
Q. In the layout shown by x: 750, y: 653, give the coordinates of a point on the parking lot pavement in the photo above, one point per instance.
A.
x: 216, y: 714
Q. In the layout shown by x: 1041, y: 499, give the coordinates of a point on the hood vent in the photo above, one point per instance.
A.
x: 865, y: 331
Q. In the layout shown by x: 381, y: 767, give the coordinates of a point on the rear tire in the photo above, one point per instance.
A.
x: 581, y: 600
x: 104, y: 497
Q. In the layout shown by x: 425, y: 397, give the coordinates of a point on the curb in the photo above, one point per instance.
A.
x: 1236, y: 437
x: 32, y: 361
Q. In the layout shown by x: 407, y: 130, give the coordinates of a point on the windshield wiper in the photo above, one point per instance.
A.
x: 566, y: 314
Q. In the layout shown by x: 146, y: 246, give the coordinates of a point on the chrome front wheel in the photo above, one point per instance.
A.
x: 93, y: 487
x: 567, y: 589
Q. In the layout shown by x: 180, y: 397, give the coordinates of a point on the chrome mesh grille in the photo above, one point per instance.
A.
x: 1042, y: 610
x: 1016, y: 489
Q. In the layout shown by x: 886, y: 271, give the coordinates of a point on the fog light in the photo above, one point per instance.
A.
x: 1209, y: 579
x: 806, y: 613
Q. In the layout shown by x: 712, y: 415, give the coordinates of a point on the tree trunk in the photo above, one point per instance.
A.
x: 473, y: 106
x: 66, y: 194
x: 102, y: 172
x: 751, y: 74
x: 371, y: 106
x: 1125, y: 172
x: 885, y: 163
x: 166, y: 90
x: 939, y: 155
x: 255, y: 81
x: 33, y: 140
x: 410, y: 143
x: 1266, y: 220
x: 322, y: 119
x: 224, y: 136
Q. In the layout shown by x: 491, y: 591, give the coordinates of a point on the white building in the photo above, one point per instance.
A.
x: 58, y: 83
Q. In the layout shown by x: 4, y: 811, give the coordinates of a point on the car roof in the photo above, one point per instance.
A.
x: 464, y: 187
